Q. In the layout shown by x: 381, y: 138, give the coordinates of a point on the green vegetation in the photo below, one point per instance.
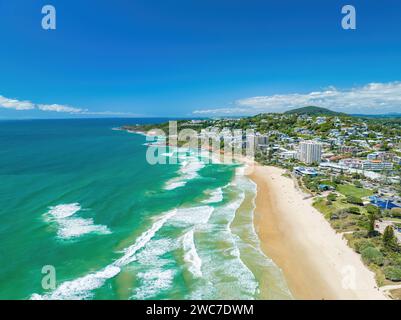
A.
x: 372, y: 255
x: 362, y: 244
x: 381, y: 253
x: 332, y: 197
x: 355, y: 200
x: 287, y: 123
x: 396, y: 212
x: 389, y: 240
x: 371, y: 209
x: 314, y: 111
x: 350, y: 190
x: 393, y: 273
x: 354, y: 210
x: 371, y: 224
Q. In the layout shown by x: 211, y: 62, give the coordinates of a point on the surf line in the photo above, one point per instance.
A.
x: 79, y: 288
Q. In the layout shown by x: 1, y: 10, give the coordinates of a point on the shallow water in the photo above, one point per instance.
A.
x: 81, y: 197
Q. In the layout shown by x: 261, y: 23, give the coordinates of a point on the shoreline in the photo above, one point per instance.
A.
x: 317, y: 263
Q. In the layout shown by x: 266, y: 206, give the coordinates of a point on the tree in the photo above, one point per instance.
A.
x: 354, y: 210
x: 355, y: 200
x: 372, y: 255
x: 392, y: 273
x: 332, y: 197
x: 371, y: 209
x: 371, y: 226
x: 389, y: 239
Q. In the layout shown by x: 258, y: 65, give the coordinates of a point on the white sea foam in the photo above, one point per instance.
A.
x: 70, y: 226
x: 223, y: 269
x: 153, y: 282
x: 191, y: 216
x: 240, y: 171
x: 81, y: 288
x: 64, y: 210
x: 247, y: 185
x: 154, y: 250
x: 75, y: 227
x: 154, y: 274
x: 144, y: 238
x: 191, y: 256
x: 227, y: 212
x: 174, y: 184
x: 190, y: 166
x: 215, y: 196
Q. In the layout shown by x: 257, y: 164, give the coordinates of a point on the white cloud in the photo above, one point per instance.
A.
x: 59, y: 108
x: 372, y: 98
x: 15, y: 104
x: 222, y: 111
x: 27, y: 105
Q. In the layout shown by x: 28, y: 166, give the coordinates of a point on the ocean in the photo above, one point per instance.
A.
x: 80, y: 197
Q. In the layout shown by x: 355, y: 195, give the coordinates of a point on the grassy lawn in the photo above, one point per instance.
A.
x: 349, y: 223
x: 328, y: 182
x: 340, y: 203
x: 350, y: 190
x: 320, y: 205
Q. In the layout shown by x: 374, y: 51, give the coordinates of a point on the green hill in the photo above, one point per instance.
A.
x: 314, y: 111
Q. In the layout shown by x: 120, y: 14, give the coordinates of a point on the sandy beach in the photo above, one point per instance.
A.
x: 316, y: 262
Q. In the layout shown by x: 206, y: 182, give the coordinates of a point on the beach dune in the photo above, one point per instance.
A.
x: 316, y: 261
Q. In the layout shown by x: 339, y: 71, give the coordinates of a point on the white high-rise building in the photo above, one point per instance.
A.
x: 310, y: 152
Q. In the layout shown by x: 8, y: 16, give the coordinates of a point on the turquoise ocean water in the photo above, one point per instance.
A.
x: 80, y: 196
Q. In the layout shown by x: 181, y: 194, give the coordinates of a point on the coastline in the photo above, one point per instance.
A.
x: 317, y: 263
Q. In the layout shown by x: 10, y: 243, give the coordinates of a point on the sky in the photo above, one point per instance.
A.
x: 196, y: 58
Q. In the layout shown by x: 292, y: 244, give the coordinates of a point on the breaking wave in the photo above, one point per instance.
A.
x: 70, y: 226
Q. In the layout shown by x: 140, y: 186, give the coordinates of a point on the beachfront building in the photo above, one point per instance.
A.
x: 261, y: 141
x: 288, y: 154
x: 348, y: 149
x: 333, y: 166
x: 376, y: 165
x: 351, y: 163
x: 366, y: 165
x: 375, y: 156
x: 310, y: 152
x: 302, y: 171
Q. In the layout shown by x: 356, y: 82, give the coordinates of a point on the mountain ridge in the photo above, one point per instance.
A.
x: 313, y: 110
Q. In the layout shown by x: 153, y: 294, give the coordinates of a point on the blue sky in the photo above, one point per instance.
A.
x: 197, y: 57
